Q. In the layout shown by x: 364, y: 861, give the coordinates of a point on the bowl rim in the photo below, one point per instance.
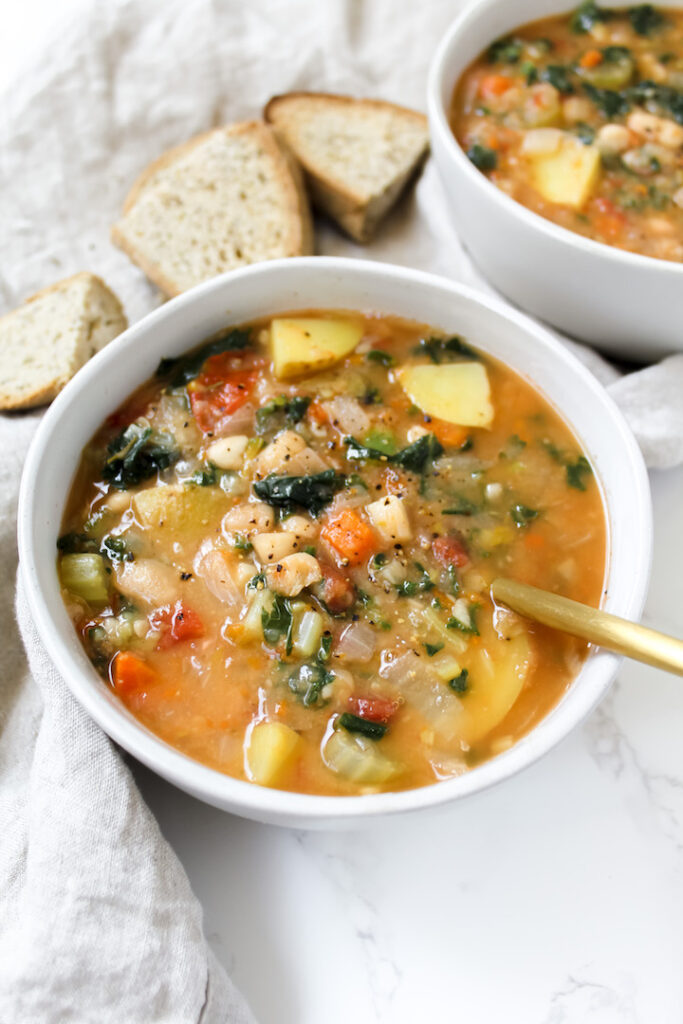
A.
x: 438, y: 118
x: 282, y: 806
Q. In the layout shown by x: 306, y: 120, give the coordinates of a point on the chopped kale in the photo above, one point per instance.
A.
x: 354, y: 723
x: 584, y: 132
x: 408, y: 587
x: 241, y: 543
x: 586, y: 16
x: 416, y: 458
x: 482, y: 157
x: 462, y: 507
x: 115, y: 548
x: 504, y: 51
x: 378, y: 355
x: 205, y: 477
x: 460, y: 683
x: 77, y: 544
x: 609, y: 102
x: 307, y: 682
x: 433, y: 649
x: 257, y: 582
x: 325, y: 648
x: 445, y: 350
x: 670, y: 100
x: 278, y: 622
x: 469, y: 628
x: 185, y: 368
x: 281, y: 411
x: 559, y: 76
x: 645, y: 19
x: 530, y: 71
x: 576, y: 471
x: 310, y: 492
x: 136, y: 454
x: 522, y: 515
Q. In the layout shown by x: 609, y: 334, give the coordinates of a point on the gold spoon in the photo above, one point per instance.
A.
x: 591, y: 624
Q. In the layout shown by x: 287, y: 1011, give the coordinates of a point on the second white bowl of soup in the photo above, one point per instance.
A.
x: 592, y: 242
x: 266, y: 572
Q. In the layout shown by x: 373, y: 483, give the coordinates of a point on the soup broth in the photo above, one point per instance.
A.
x: 278, y: 553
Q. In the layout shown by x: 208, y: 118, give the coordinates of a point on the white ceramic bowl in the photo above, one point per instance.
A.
x: 620, y: 301
x: 273, y: 287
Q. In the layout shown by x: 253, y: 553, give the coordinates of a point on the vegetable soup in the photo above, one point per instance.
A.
x: 278, y: 553
x: 579, y: 117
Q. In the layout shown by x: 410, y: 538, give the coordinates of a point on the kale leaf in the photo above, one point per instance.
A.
x: 378, y: 355
x: 482, y: 157
x: 281, y: 411
x: 278, y: 622
x: 77, y: 544
x: 185, y: 368
x: 609, y: 102
x: 309, y: 492
x: 559, y: 76
x: 504, y: 51
x: 136, y: 454
x: 445, y: 350
x: 354, y: 723
x: 586, y: 16
x: 307, y: 682
x: 645, y: 19
x: 522, y: 515
x: 416, y: 458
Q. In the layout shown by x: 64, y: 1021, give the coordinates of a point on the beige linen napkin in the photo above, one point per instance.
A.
x: 97, y: 921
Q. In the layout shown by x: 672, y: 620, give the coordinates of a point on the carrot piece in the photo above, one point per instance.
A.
x: 450, y: 434
x: 130, y: 674
x: 317, y: 413
x: 534, y: 541
x: 350, y: 537
x: 494, y: 85
x: 591, y: 59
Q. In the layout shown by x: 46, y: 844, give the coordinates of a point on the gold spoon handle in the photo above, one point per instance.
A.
x: 591, y: 624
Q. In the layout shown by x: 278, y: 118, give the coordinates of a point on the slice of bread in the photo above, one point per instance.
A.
x: 227, y: 198
x: 47, y: 339
x: 358, y: 154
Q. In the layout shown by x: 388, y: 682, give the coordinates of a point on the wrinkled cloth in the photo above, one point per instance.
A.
x: 97, y: 919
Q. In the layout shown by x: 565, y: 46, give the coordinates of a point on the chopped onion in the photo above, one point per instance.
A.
x: 357, y: 642
x: 215, y: 569
x: 239, y: 422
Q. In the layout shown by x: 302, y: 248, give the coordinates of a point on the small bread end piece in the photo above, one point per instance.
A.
x: 51, y: 335
x: 358, y: 154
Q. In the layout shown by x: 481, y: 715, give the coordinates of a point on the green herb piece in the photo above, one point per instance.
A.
x: 445, y: 350
x: 281, y: 411
x: 136, y: 454
x: 354, y: 723
x: 307, y: 682
x: 381, y: 440
x: 584, y: 132
x: 242, y: 543
x: 379, y: 560
x: 609, y: 102
x: 310, y: 549
x: 325, y: 648
x: 576, y: 471
x: 205, y: 477
x: 462, y: 507
x: 310, y: 492
x: 586, y: 16
x: 433, y: 649
x: 645, y: 19
x: 257, y: 582
x: 378, y: 355
x: 185, y: 368
x: 454, y: 581
x: 522, y: 515
x: 469, y: 628
x: 416, y: 458
x: 371, y: 396
x: 460, y: 682
x: 482, y: 157
x: 278, y: 622
x: 670, y: 100
x: 504, y: 51
x: 559, y: 76
x: 115, y: 549
x: 78, y: 544
x: 529, y: 70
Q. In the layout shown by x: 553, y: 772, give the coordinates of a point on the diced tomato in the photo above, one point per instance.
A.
x: 450, y: 550
x: 220, y: 389
x: 336, y: 591
x: 131, y: 674
x: 608, y: 220
x: 350, y: 536
x: 176, y: 624
x: 494, y: 85
x: 374, y: 709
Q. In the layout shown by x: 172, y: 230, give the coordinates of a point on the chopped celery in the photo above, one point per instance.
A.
x: 86, y: 577
x: 251, y: 626
x: 437, y: 626
x: 308, y: 630
x: 357, y: 758
x: 445, y: 666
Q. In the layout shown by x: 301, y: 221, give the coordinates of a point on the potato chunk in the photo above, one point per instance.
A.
x: 290, y: 575
x: 389, y: 517
x: 172, y: 511
x: 458, y: 392
x: 269, y: 750
x: 568, y: 175
x: 301, y: 345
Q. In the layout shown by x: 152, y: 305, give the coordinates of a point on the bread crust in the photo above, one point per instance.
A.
x: 300, y: 239
x: 358, y: 216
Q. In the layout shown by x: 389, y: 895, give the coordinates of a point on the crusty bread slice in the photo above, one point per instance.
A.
x: 227, y: 198
x: 47, y: 339
x: 358, y: 154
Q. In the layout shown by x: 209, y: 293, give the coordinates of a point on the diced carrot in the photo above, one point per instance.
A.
x: 350, y: 536
x: 317, y: 413
x: 494, y: 85
x: 591, y: 59
x: 130, y: 674
x: 534, y: 541
x: 450, y: 434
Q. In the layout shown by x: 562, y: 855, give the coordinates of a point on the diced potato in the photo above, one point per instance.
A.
x: 271, y: 547
x: 269, y: 750
x: 456, y: 392
x: 175, y: 510
x: 389, y: 517
x: 497, y: 673
x: 569, y: 175
x: 293, y: 573
x: 307, y: 631
x: 305, y: 345
x: 228, y: 452
x: 85, y: 576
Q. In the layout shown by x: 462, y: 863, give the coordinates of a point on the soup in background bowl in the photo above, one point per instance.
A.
x: 579, y: 117
x: 142, y: 480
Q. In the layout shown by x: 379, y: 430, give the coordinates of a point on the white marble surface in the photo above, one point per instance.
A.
x: 555, y: 899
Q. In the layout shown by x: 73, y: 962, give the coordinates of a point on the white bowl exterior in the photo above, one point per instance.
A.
x: 107, y: 380
x: 622, y: 302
